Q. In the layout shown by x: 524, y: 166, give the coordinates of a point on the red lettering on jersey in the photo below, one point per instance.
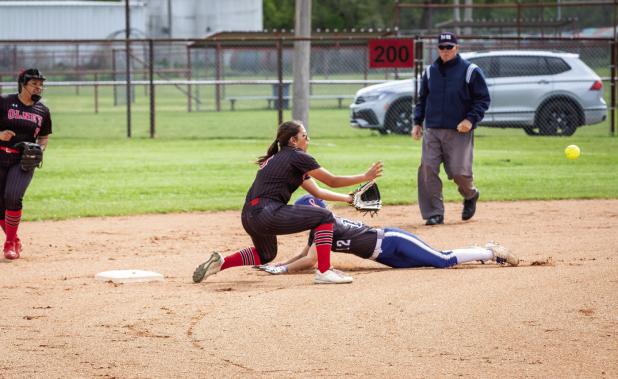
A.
x: 15, y: 114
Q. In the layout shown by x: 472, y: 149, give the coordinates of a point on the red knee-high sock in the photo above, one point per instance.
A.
x: 323, y: 241
x: 11, y: 220
x: 2, y: 225
x: 244, y: 257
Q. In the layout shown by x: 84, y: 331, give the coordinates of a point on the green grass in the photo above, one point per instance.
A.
x: 203, y: 161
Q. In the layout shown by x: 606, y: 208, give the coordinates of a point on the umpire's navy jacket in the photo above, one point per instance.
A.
x: 451, y: 92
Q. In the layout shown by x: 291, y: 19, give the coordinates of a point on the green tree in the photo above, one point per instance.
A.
x: 278, y: 14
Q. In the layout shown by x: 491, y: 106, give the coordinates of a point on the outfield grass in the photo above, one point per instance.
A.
x: 203, y: 161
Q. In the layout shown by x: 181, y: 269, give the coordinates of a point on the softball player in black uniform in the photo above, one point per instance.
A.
x: 284, y: 168
x: 22, y: 119
x: 392, y: 247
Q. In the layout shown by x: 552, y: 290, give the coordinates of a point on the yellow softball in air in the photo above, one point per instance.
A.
x: 572, y: 152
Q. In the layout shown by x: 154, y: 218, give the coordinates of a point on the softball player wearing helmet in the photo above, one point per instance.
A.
x: 22, y: 119
x: 284, y: 168
x: 392, y: 247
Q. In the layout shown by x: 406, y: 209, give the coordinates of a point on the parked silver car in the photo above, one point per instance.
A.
x: 545, y: 93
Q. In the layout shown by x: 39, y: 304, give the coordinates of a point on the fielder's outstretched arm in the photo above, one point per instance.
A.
x: 335, y: 181
x: 312, y: 187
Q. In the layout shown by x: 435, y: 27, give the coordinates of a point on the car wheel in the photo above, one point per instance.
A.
x: 558, y: 118
x: 399, y: 117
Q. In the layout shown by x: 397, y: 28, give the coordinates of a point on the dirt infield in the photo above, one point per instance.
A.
x: 554, y: 316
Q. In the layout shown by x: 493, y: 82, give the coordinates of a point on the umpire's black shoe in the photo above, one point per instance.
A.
x: 470, y: 207
x: 435, y: 220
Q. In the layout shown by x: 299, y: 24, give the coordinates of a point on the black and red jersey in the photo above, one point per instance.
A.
x: 280, y: 175
x: 28, y: 122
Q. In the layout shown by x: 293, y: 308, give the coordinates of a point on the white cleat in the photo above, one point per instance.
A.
x: 502, y: 254
x: 331, y: 276
x: 208, y: 268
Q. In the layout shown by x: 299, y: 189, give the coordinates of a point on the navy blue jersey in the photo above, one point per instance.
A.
x: 352, y: 237
x: 280, y: 175
x: 28, y: 122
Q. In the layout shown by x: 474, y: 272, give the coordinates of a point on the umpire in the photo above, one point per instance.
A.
x: 453, y: 99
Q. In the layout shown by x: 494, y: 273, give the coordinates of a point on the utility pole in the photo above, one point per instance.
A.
x: 301, y: 62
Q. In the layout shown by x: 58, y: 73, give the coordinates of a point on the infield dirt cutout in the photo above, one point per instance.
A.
x: 553, y: 316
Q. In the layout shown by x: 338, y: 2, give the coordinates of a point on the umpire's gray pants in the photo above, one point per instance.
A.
x: 456, y: 151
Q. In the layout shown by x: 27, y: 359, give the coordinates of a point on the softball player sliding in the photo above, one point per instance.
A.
x: 284, y: 168
x: 390, y: 246
x: 22, y: 119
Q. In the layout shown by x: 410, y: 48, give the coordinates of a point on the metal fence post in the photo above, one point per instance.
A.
x: 96, y: 93
x: 612, y: 111
x: 280, y: 78
x: 79, y: 77
x: 218, y: 77
x: 189, y: 72
x: 152, y: 87
x: 418, y: 65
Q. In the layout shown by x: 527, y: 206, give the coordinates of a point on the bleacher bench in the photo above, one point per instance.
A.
x: 271, y: 100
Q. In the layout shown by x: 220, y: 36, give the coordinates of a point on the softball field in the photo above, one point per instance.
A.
x: 553, y: 316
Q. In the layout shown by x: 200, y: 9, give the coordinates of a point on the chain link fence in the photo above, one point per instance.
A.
x: 191, y: 88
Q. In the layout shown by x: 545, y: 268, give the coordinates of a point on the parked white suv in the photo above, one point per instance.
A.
x: 545, y: 93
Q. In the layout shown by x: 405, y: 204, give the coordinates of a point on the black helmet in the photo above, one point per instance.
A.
x: 27, y: 75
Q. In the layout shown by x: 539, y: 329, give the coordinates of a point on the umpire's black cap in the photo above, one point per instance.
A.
x: 447, y: 39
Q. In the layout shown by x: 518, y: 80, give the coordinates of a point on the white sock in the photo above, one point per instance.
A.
x: 472, y: 254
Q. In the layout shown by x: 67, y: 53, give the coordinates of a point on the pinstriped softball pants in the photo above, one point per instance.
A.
x: 268, y: 219
x: 13, y: 185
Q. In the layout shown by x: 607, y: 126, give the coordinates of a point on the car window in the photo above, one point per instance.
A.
x: 485, y: 65
x: 557, y: 65
x: 509, y: 66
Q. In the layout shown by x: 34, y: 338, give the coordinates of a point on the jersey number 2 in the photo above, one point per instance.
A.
x: 344, y: 244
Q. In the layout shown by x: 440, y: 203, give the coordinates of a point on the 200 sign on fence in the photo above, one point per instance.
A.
x: 391, y: 52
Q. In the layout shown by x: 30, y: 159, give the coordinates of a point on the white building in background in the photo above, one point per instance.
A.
x: 41, y: 20
x: 199, y: 18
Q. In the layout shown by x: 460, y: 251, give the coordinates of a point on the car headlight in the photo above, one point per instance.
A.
x: 376, y: 96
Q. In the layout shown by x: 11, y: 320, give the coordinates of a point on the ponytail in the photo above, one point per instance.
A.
x: 272, y: 150
x: 285, y: 131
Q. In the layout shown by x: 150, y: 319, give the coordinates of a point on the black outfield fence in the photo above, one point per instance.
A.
x: 232, y: 73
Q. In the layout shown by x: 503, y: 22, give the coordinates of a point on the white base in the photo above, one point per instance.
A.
x: 129, y: 276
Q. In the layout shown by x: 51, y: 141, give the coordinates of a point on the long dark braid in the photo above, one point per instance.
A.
x: 285, y: 131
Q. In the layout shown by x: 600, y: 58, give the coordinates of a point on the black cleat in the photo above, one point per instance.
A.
x: 469, y: 208
x: 208, y: 268
x: 435, y: 220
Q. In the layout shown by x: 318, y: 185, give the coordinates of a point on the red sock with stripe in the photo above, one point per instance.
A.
x: 323, y: 240
x: 245, y: 257
x: 11, y: 223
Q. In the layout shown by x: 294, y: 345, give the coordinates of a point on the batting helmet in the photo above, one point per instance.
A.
x: 311, y: 201
x: 26, y: 75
